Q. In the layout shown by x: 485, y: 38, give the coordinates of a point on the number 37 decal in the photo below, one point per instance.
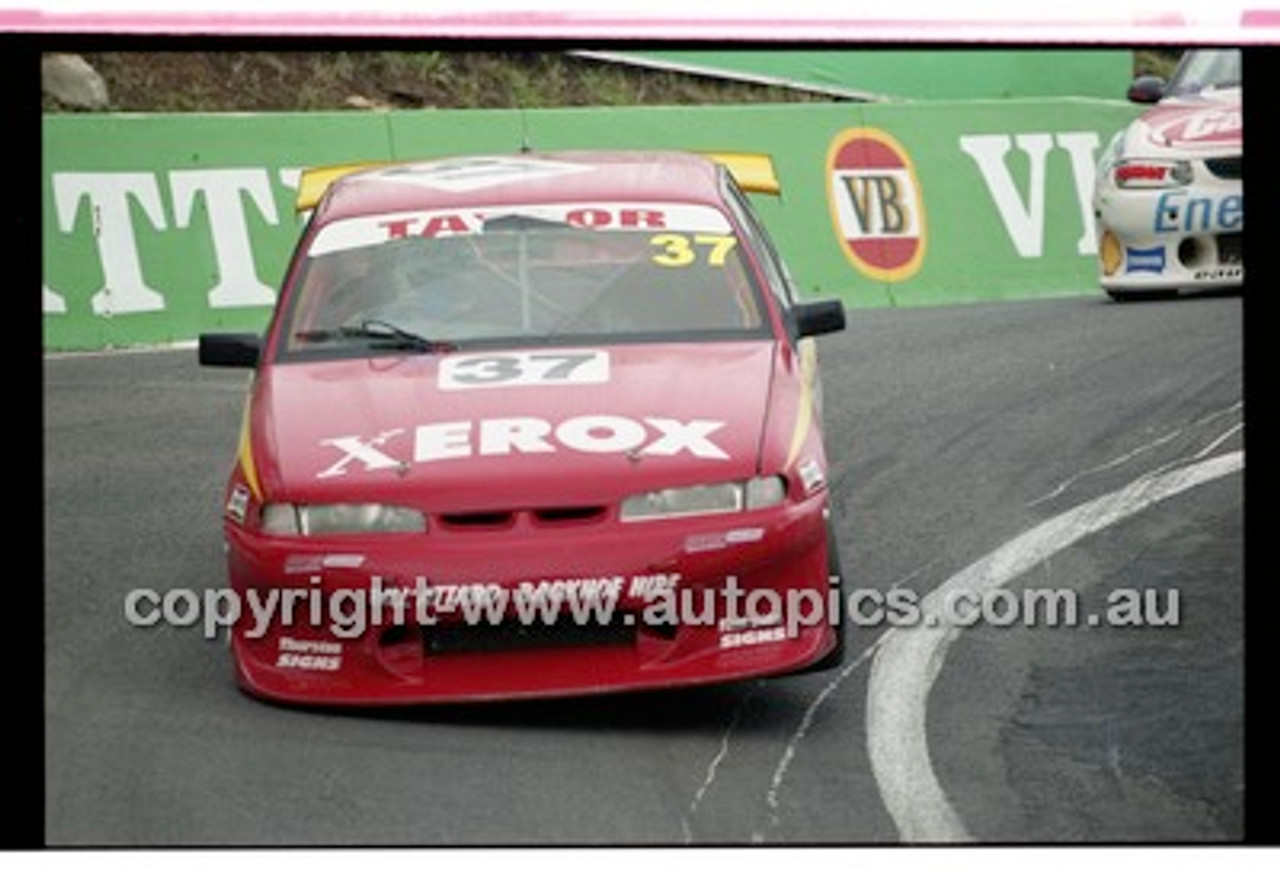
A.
x: 680, y: 250
x: 511, y: 369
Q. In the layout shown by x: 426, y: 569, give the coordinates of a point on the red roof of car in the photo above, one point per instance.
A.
x: 534, y: 178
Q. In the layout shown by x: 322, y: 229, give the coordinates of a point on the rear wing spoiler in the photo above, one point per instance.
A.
x: 315, y: 181
x: 754, y: 173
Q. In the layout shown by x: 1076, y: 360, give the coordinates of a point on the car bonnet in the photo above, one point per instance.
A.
x: 1196, y: 126
x: 476, y: 429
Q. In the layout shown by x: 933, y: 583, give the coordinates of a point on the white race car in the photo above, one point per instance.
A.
x: 1169, y: 195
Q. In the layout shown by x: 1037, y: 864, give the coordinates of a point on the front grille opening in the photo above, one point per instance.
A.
x: 444, y: 639
x: 478, y: 519
x: 583, y: 514
x: 1189, y: 253
x: 1231, y: 168
x: 1231, y: 249
x: 394, y: 636
x: 400, y: 649
x: 662, y: 631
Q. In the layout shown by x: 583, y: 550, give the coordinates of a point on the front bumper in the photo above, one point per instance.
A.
x: 1184, y: 239
x: 650, y: 605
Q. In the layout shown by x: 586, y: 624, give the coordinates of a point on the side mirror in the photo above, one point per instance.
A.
x: 236, y: 349
x: 1147, y: 89
x: 818, y: 317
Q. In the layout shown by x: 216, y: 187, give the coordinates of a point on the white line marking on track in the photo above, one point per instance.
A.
x: 909, y: 660
x: 126, y: 351
x: 1134, y: 453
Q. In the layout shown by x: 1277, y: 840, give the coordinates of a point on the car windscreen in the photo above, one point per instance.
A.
x: 1205, y: 69
x: 524, y: 273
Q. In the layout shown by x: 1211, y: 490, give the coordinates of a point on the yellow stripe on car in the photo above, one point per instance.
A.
x: 808, y: 355
x: 245, y: 456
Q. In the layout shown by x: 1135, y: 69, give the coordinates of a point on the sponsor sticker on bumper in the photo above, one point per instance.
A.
x: 1138, y: 261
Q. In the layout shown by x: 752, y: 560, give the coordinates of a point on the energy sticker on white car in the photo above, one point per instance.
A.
x: 469, y: 372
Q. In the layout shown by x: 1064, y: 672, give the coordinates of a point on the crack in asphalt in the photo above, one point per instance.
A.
x: 686, y: 822
x: 788, y: 753
x: 806, y: 721
x: 1145, y: 447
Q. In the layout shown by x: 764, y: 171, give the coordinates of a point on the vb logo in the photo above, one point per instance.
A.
x: 876, y: 204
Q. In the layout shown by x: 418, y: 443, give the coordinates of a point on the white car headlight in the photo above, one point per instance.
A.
x: 289, y: 519
x: 719, y: 498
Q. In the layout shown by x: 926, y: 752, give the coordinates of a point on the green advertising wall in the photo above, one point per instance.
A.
x: 159, y: 227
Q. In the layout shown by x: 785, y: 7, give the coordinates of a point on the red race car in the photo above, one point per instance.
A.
x: 530, y: 425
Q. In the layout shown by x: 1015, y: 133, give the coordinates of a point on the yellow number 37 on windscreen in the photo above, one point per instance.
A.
x: 681, y: 250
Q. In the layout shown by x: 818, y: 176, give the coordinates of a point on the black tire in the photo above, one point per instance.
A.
x: 1129, y: 295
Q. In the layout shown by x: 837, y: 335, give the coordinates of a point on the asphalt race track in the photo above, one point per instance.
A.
x: 1095, y: 447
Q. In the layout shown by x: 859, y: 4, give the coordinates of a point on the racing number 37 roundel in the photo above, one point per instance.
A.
x: 876, y: 203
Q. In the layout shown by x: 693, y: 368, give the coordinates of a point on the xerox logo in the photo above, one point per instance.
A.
x: 876, y: 203
x: 590, y: 434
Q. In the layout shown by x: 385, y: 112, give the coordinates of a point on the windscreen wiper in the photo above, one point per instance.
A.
x: 379, y: 334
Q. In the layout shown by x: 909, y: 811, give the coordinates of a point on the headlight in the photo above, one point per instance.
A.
x: 1152, y: 173
x: 720, y: 498
x: 288, y: 519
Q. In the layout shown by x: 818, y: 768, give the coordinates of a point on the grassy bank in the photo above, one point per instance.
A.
x: 310, y: 81
x: 374, y: 79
